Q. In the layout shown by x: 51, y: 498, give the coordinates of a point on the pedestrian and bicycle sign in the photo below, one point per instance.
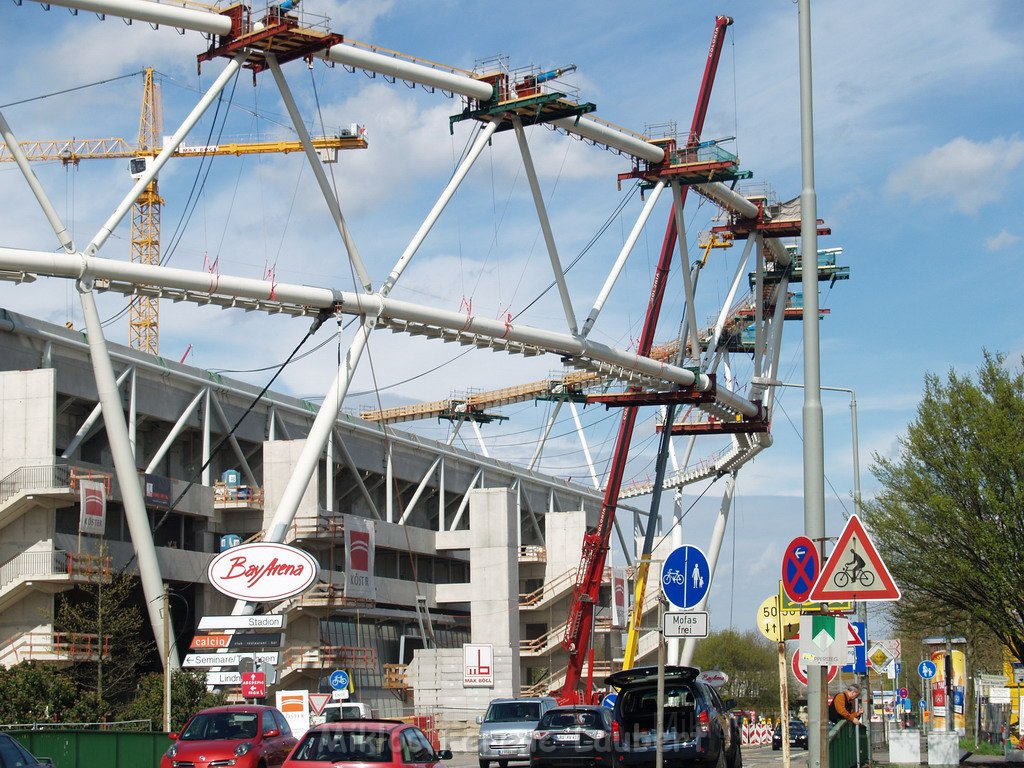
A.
x: 855, y: 571
x: 799, y: 568
x: 685, y: 577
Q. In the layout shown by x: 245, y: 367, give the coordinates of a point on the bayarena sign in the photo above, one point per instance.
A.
x: 263, y: 572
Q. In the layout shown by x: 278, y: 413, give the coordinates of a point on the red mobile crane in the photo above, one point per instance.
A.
x: 578, y: 627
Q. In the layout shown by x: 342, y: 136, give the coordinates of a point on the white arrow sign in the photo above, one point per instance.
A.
x: 228, y: 659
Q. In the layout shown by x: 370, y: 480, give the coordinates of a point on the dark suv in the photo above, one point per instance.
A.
x: 697, y: 724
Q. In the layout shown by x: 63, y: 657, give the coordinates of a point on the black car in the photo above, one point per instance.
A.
x: 13, y: 755
x: 573, y: 736
x: 797, y: 735
x: 698, y: 727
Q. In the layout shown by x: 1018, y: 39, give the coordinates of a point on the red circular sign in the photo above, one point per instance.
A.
x: 800, y: 567
x: 800, y: 670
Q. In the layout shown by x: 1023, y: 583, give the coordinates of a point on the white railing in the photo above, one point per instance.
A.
x: 34, y: 564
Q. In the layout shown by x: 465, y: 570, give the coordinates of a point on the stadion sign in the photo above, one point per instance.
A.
x: 263, y: 572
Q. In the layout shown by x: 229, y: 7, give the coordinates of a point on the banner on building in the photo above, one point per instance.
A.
x: 359, y: 548
x: 157, y: 490
x: 478, y: 665
x: 620, y: 598
x: 93, y: 516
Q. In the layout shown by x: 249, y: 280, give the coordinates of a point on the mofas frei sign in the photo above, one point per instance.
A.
x: 263, y: 572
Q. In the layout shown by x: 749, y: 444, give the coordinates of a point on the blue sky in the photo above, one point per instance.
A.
x: 918, y: 152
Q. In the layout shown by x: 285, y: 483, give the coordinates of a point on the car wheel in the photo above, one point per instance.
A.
x: 503, y: 764
x: 776, y: 748
x: 484, y: 763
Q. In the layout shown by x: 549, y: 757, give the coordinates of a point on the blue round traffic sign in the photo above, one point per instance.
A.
x: 339, y: 679
x: 800, y: 567
x: 685, y: 577
x: 926, y: 669
x: 609, y: 700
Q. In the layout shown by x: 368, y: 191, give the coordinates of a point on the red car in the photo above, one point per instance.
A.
x: 365, y: 744
x: 238, y: 735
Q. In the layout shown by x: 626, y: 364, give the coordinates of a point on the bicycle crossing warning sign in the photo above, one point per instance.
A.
x: 855, y: 570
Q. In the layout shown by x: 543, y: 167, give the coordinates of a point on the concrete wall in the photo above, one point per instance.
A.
x: 27, y: 419
x: 279, y: 458
x: 494, y: 574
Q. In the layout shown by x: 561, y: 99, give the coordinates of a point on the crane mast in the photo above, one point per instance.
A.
x: 144, y: 313
x: 579, y: 625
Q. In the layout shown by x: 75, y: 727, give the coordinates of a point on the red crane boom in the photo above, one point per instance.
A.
x: 578, y: 627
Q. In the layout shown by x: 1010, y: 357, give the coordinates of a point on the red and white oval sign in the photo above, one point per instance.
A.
x: 263, y: 572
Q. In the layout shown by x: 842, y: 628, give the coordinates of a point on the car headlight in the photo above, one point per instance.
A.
x: 172, y: 751
x: 243, y: 748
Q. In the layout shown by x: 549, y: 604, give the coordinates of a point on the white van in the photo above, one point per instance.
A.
x: 346, y: 710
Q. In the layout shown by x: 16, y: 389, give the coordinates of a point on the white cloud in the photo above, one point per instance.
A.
x: 1001, y: 241
x: 968, y: 173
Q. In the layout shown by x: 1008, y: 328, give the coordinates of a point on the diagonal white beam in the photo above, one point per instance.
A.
x: 545, y: 224
x: 179, y: 425
x: 688, y: 287
x: 155, y: 13
x: 169, y: 149
x: 620, y: 261
x: 91, y: 419
x: 723, y: 314
x: 321, y: 177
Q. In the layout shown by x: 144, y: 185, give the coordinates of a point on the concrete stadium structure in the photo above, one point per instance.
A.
x: 468, y: 549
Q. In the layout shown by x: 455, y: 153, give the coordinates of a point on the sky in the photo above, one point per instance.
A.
x: 917, y: 159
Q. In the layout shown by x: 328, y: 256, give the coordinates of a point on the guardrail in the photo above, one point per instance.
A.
x: 53, y: 562
x: 46, y: 646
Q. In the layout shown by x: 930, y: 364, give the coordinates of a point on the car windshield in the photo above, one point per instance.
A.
x: 211, y: 726
x: 562, y: 719
x: 513, y: 712
x: 337, y: 746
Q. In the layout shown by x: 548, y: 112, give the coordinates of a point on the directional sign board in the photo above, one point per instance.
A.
x: 262, y: 621
x: 227, y: 659
x: 685, y: 576
x: 339, y: 679
x: 686, y: 624
x: 832, y: 606
x: 254, y: 685
x: 927, y: 669
x: 855, y: 571
x: 799, y: 568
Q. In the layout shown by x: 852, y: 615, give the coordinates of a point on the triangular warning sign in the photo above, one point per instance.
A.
x: 317, y: 702
x: 855, y: 570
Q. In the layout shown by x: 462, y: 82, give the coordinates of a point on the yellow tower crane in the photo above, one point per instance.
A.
x: 145, y: 225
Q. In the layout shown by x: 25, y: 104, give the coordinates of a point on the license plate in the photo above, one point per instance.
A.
x: 506, y: 751
x: 567, y: 737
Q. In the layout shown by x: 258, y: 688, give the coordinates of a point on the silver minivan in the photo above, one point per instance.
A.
x: 506, y: 729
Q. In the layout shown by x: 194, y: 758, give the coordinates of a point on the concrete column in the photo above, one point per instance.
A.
x: 494, y: 578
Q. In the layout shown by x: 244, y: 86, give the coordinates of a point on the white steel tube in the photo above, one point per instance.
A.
x: 446, y: 195
x: 37, y: 188
x: 333, y: 204
x: 544, y: 437
x: 409, y: 71
x: 723, y: 315
x: 226, y: 426
x: 728, y: 199
x: 620, y: 262
x: 87, y: 425
x: 319, y: 433
x: 373, y: 305
x: 545, y: 224
x: 173, y: 434
x: 584, y: 445
x: 126, y: 470
x: 169, y: 149
x: 350, y: 463
x: 154, y: 13
x: 612, y: 137
x: 688, y: 283
x: 480, y: 439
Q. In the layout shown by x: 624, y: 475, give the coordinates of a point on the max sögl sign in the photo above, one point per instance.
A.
x: 263, y: 572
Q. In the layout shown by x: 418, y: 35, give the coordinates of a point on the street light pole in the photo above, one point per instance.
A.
x: 862, y: 609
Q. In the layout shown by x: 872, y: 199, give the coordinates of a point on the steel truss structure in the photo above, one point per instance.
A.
x: 707, y: 374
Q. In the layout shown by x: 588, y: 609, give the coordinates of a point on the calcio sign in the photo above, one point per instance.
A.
x: 263, y: 572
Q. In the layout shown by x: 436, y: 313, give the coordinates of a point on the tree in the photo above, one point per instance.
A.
x: 751, y: 663
x: 35, y: 692
x: 949, y: 519
x: 188, y: 696
x: 109, y: 611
